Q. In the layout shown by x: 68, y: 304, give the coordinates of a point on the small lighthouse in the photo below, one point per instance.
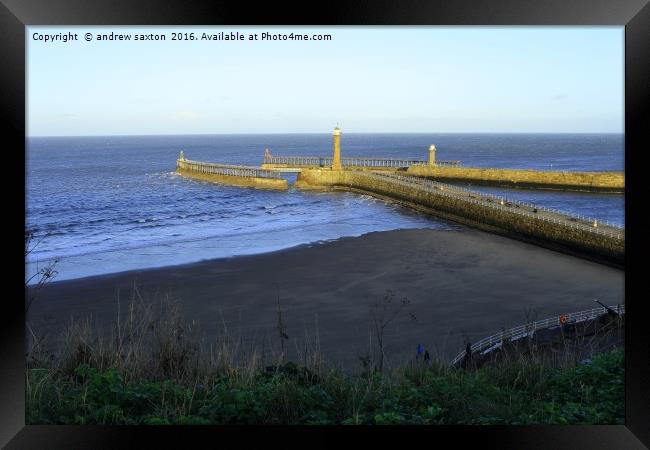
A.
x: 432, y: 155
x: 336, y: 160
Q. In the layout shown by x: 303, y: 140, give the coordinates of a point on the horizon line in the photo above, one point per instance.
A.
x: 321, y: 133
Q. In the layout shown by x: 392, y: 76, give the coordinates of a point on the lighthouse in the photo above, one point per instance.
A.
x: 432, y: 155
x: 336, y: 160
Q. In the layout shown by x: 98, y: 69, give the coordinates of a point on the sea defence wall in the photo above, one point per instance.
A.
x: 537, y: 179
x: 231, y: 175
x: 578, y: 236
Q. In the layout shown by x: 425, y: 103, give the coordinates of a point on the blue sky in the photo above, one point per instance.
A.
x: 367, y: 79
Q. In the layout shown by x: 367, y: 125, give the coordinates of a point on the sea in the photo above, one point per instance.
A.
x: 99, y: 205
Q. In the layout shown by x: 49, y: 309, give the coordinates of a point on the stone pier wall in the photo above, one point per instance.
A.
x: 576, y: 181
x: 494, y: 218
x: 231, y: 175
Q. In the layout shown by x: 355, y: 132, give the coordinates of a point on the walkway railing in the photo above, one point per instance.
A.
x: 441, y: 162
x: 524, y: 169
x: 225, y: 169
x: 504, y: 204
x: 500, y: 198
x: 378, y: 162
x: 317, y: 161
x: 486, y: 344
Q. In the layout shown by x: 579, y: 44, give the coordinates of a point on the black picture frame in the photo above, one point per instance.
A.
x: 15, y: 15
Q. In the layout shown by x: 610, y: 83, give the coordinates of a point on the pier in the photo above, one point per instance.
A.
x: 415, y: 183
x: 610, y: 182
x: 580, y: 236
x: 454, y: 171
x: 230, y: 174
x: 297, y: 163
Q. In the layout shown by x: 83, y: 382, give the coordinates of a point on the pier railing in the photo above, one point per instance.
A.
x: 503, y: 204
x: 317, y: 161
x: 536, y: 169
x: 225, y: 169
x: 487, y: 344
x: 517, y: 202
x: 441, y: 162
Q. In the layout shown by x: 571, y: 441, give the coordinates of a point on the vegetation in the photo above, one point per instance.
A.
x: 152, y: 369
x: 519, y: 393
x: 41, y: 276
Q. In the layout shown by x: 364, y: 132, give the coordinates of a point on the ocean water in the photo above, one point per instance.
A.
x: 108, y: 204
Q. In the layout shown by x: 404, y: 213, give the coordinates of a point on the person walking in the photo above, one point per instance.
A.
x: 419, y: 352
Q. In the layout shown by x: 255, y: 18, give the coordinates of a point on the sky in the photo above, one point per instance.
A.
x: 366, y: 79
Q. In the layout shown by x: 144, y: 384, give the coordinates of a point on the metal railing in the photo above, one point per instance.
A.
x: 225, y: 169
x: 485, y: 345
x: 564, y: 172
x: 517, y: 202
x: 575, y: 222
x: 378, y: 162
x: 299, y: 160
x: 317, y: 161
x: 442, y: 162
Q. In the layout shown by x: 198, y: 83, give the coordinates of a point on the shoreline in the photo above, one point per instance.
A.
x: 461, y: 285
x: 448, y: 226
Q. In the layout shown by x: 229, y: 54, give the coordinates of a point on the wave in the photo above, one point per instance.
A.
x: 145, y: 220
x: 281, y: 227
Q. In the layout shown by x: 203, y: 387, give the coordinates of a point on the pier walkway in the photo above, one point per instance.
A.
x: 531, y: 210
x: 229, y: 174
x: 295, y: 163
x: 225, y: 169
x: 610, y: 182
x: 590, y: 238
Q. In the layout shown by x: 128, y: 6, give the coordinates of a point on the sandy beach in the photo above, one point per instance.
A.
x: 460, y: 285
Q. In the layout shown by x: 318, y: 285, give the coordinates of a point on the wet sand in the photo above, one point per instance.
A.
x: 460, y: 284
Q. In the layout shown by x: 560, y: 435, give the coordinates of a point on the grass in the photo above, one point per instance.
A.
x: 520, y: 393
x: 151, y: 367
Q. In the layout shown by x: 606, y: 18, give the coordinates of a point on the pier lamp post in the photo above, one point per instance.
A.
x: 336, y: 160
